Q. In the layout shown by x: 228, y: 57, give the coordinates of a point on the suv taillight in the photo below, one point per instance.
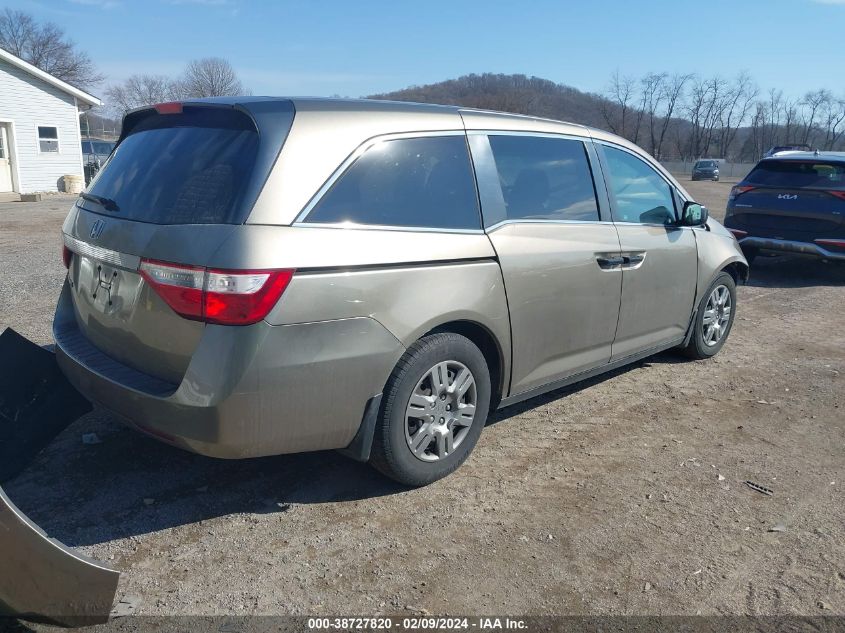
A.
x: 224, y: 297
x: 67, y: 255
x: 738, y: 189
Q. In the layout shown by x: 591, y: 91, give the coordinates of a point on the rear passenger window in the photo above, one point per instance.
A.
x: 415, y: 182
x: 545, y: 178
x: 640, y: 193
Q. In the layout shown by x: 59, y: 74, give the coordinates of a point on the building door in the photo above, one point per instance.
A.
x: 5, y: 161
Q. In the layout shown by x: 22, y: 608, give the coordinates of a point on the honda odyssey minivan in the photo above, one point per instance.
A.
x: 256, y: 276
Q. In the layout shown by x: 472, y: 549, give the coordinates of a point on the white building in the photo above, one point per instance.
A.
x: 39, y: 127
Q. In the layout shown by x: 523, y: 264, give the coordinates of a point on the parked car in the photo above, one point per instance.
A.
x: 706, y: 170
x: 795, y: 147
x: 95, y: 153
x: 791, y: 203
x: 376, y: 277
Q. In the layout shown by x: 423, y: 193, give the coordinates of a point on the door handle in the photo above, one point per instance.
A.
x: 608, y: 263
x: 633, y: 260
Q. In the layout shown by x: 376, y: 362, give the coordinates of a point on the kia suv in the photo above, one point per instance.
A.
x: 791, y: 203
x: 255, y: 276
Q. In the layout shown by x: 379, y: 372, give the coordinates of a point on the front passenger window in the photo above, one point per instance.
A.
x: 640, y: 193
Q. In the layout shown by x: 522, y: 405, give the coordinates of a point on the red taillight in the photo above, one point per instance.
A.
x: 834, y: 243
x: 738, y: 189
x: 244, y: 296
x: 838, y: 194
x: 180, y: 286
x: 738, y: 234
x: 67, y: 255
x: 225, y: 297
x: 171, y: 107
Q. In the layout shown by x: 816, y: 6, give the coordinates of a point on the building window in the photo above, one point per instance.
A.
x: 48, y: 139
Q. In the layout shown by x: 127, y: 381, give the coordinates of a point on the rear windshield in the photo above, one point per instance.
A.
x: 188, y: 168
x: 798, y: 174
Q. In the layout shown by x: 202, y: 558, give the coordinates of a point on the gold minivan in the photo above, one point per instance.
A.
x: 256, y: 276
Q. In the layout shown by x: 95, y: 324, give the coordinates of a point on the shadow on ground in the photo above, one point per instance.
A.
x: 795, y: 271
x: 129, y: 484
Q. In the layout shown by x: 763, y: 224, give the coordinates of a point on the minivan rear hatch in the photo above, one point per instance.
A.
x: 182, y: 178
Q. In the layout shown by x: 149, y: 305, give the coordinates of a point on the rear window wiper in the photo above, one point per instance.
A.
x: 107, y: 203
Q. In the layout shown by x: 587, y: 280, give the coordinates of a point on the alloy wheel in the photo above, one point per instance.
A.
x: 717, y: 315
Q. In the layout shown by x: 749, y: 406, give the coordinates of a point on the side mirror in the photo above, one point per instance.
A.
x: 694, y: 214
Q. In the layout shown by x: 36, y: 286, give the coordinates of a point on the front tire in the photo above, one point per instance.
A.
x: 435, y: 406
x: 714, y: 319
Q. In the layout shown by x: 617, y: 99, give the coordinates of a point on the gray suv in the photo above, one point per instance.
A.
x: 256, y: 276
x: 706, y: 170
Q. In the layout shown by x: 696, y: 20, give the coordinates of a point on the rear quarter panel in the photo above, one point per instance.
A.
x: 411, y: 282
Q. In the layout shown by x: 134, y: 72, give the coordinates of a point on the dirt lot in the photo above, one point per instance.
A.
x: 623, y: 495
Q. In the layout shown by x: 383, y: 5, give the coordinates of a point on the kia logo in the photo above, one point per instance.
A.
x: 97, y: 229
x: 788, y: 196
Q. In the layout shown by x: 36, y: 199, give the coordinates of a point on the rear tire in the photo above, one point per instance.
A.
x: 713, y: 319
x: 424, y: 431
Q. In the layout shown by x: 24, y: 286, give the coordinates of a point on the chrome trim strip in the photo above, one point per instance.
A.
x: 122, y: 260
x: 586, y: 138
x: 354, y: 226
x: 498, y: 225
x: 790, y: 246
x: 361, y: 149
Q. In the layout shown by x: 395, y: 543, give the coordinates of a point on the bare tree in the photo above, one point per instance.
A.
x: 832, y: 117
x: 210, y: 77
x: 46, y: 46
x: 813, y: 105
x: 141, y: 90
x: 738, y: 103
x: 618, y: 103
x: 673, y: 92
x: 652, y: 97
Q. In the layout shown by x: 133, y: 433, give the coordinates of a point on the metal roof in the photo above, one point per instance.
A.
x: 46, y: 77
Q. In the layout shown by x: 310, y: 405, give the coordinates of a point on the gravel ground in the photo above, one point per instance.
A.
x: 621, y: 495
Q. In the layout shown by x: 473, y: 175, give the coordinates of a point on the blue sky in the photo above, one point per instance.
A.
x: 358, y: 47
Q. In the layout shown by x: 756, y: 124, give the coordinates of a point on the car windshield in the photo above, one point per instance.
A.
x: 705, y: 164
x: 188, y: 168
x: 798, y: 174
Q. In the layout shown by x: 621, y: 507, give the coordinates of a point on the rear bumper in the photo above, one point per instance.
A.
x: 790, y: 246
x: 248, y: 391
x: 45, y: 581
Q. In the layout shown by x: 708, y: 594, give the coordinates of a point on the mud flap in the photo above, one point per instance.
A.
x: 40, y: 578
x: 36, y: 402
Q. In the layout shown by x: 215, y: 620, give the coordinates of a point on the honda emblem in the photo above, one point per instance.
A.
x: 97, y: 228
